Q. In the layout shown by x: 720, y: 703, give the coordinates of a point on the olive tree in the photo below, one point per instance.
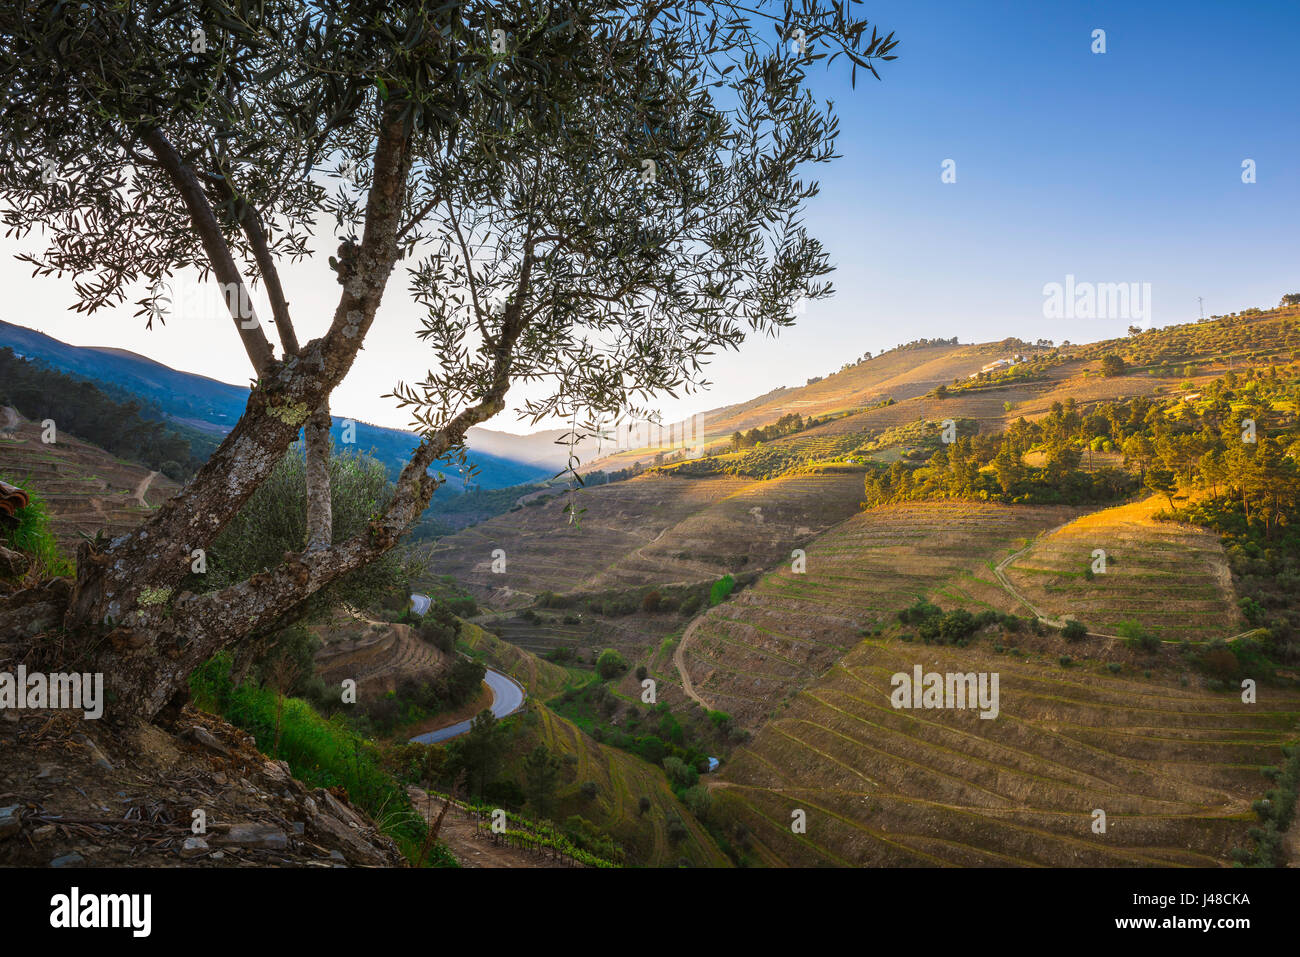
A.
x: 590, y: 197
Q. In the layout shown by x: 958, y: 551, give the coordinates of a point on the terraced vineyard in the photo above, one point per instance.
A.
x: 749, y: 654
x: 755, y: 526
x: 1174, y: 768
x: 1080, y: 380
x: 621, y: 779
x: 902, y: 375
x: 544, y: 551
x: 377, y: 655
x: 85, y: 488
x: 649, y: 530
x: 1171, y: 579
x: 541, y: 678
x: 547, y: 633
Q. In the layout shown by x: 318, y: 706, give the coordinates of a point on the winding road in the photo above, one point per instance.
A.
x: 507, y: 694
x: 507, y: 698
x: 144, y: 487
x: 679, y: 659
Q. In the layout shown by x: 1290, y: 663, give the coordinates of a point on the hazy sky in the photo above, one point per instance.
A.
x: 1115, y: 167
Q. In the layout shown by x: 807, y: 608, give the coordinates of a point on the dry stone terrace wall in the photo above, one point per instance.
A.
x: 544, y: 551
x: 749, y: 654
x: 1175, y: 768
x: 755, y: 526
x: 1172, y: 579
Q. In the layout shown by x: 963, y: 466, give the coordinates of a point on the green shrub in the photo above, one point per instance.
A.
x: 721, y: 590
x: 610, y: 664
x: 1137, y: 637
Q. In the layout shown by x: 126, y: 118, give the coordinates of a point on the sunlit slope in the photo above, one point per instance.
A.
x: 749, y: 654
x: 652, y: 530
x: 621, y: 779
x: 545, y: 551
x: 540, y: 678
x: 904, y: 374
x: 899, y: 374
x: 1171, y: 579
x: 995, y: 406
x: 1160, y: 362
x: 1174, y: 768
x: 753, y: 527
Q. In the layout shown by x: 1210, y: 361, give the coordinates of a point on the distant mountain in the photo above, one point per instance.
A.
x: 214, y: 407
x: 545, y: 449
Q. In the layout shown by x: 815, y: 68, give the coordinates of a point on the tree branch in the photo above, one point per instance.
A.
x: 209, y: 231
x: 320, y: 519
x: 251, y: 223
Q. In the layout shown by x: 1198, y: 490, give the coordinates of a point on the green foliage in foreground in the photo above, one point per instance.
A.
x: 32, y: 536
x: 274, y: 521
x: 320, y: 753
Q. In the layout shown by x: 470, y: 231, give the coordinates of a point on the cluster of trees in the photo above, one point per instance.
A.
x: 83, y: 409
x: 413, y: 699
x: 653, y: 733
x: 773, y: 459
x: 1033, y: 370
x: 1221, y: 443
x: 786, y: 425
x: 956, y: 627
x: 923, y: 344
x: 664, y: 599
x: 993, y: 468
x: 1112, y: 365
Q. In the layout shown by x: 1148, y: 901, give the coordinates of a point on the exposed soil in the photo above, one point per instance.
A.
x: 77, y: 793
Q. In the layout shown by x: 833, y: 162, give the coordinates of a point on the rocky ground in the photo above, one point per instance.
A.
x: 78, y: 793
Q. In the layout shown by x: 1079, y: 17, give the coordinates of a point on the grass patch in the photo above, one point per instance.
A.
x: 32, y: 537
x: 320, y: 753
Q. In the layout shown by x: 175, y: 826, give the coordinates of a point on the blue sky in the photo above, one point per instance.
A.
x: 1115, y: 167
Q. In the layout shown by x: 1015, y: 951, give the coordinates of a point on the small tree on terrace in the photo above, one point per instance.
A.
x: 587, y: 196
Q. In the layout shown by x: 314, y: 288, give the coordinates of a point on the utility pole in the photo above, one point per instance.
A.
x: 1201, y: 301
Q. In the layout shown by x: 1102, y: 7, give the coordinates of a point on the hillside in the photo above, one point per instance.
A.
x: 749, y: 655
x: 1160, y: 362
x: 211, y: 406
x: 1172, y: 578
x: 85, y: 488
x: 801, y: 654
x: 619, y: 779
x: 1174, y: 768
